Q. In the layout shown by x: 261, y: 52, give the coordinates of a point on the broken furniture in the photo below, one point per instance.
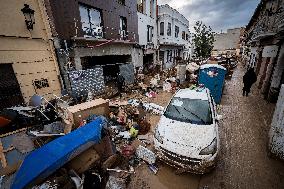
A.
x: 14, y: 146
x: 82, y: 111
x: 44, y: 161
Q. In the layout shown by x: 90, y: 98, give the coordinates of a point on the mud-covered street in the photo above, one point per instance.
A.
x: 243, y: 160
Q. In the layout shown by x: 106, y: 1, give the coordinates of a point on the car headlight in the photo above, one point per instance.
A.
x: 158, y: 136
x: 211, y: 149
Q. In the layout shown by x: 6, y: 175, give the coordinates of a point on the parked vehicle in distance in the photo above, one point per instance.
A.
x: 186, y: 136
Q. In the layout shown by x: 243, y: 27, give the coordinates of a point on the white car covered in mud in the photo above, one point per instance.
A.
x: 186, y: 136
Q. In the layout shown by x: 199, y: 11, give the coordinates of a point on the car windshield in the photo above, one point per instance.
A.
x: 193, y: 111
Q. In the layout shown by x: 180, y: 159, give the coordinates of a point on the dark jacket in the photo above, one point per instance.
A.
x: 249, y: 78
x: 120, y: 80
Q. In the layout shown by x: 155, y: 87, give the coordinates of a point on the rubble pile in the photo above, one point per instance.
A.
x: 33, y: 136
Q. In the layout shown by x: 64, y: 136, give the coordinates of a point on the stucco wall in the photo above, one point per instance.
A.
x: 229, y: 40
x: 31, y: 53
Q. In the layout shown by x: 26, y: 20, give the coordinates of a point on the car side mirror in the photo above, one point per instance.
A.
x: 218, y: 117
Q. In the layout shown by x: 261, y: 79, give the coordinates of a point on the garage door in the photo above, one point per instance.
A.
x: 10, y: 93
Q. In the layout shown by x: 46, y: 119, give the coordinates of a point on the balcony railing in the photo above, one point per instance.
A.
x: 92, y: 30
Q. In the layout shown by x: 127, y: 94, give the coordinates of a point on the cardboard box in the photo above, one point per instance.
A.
x: 97, y: 106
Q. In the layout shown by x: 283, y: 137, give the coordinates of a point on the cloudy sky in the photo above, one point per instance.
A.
x: 219, y: 14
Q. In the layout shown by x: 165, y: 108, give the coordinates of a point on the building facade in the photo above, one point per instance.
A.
x: 95, y: 34
x: 147, y: 31
x: 227, y: 43
x: 28, y: 64
x: 173, y: 36
x: 264, y: 47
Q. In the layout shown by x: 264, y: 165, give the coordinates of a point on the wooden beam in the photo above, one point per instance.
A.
x: 2, y: 156
x: 9, y: 149
x: 14, y: 132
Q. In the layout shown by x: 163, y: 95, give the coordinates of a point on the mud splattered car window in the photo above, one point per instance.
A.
x: 189, y: 110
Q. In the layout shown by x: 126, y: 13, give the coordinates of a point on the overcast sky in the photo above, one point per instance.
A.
x: 219, y: 14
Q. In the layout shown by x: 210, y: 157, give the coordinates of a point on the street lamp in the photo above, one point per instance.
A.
x: 29, y: 16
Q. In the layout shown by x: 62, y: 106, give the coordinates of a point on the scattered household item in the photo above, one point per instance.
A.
x: 181, y: 72
x: 115, y: 183
x: 146, y: 154
x: 167, y: 86
x: 153, y: 168
x: 192, y: 67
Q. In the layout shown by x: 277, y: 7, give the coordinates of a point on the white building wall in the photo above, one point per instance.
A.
x: 144, y: 20
x: 170, y: 44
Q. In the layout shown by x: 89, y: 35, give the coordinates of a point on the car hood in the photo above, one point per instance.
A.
x: 185, y: 139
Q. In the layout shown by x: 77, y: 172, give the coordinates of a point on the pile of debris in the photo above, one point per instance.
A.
x: 74, y: 143
x: 95, y: 144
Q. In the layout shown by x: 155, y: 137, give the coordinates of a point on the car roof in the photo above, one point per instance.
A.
x: 197, y: 93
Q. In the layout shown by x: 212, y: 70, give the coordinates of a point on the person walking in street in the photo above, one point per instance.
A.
x: 248, y: 79
x: 120, y: 84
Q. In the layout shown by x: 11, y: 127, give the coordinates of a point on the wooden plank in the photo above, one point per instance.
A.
x: 2, y: 156
x: 9, y: 149
x: 10, y: 169
x: 86, y: 105
x: 13, y: 132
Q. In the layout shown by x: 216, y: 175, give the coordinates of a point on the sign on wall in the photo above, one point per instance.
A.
x: 270, y: 51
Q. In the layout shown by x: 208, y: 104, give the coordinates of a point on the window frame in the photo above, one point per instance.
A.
x: 90, y: 24
x: 141, y: 6
x: 169, y: 29
x: 122, y: 2
x: 121, y: 29
x: 162, y: 29
x: 176, y: 31
x: 150, y: 37
x: 183, y: 35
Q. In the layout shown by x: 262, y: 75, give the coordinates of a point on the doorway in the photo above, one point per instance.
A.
x: 10, y: 92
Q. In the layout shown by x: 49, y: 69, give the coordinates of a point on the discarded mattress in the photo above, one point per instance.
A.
x: 41, y: 163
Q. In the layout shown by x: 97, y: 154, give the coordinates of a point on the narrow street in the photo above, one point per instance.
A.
x: 243, y: 161
x: 121, y: 94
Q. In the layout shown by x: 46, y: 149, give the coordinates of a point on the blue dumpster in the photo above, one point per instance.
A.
x: 212, y: 76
